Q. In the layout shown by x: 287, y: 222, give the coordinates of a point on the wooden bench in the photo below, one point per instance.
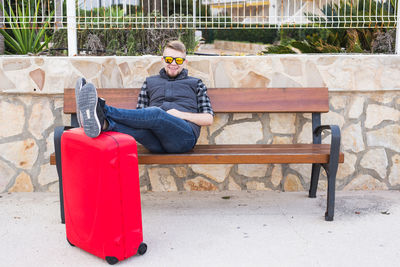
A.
x: 243, y: 100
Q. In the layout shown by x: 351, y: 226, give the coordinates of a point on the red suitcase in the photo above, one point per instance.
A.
x: 102, y: 194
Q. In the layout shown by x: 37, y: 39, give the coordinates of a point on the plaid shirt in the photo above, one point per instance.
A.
x: 203, y: 101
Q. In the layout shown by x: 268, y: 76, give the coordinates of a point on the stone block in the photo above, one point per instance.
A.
x: 313, y: 76
x: 377, y: 114
x: 305, y: 136
x: 276, y: 175
x: 6, y: 173
x: 216, y: 172
x: 22, y: 183
x: 181, y: 172
x: 356, y: 107
x: 388, y: 137
x: 332, y: 118
x: 292, y: 184
x: 12, y: 119
x: 282, y: 123
x: 161, y: 180
x: 22, y: 154
x: 39, y: 77
x: 48, y: 174
x: 254, y: 80
x: 199, y: 184
x: 41, y: 118
x: 6, y: 83
x: 303, y: 169
x: 352, y: 138
x: 220, y: 120
x: 338, y: 102
x: 252, y: 170
x: 13, y: 64
x: 365, y: 182
x: 375, y: 159
x: 281, y: 140
x: 292, y: 66
x: 88, y: 68
x: 241, y: 133
x: 348, y: 167
x: 232, y: 185
x: 394, y: 176
x: 254, y: 185
x: 242, y: 116
x: 281, y: 80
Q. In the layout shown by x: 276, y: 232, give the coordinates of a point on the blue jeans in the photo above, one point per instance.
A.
x: 154, y: 128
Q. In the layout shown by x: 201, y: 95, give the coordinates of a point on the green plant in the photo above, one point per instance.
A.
x: 25, y: 35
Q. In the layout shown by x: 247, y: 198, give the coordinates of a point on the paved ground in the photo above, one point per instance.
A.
x: 203, y: 229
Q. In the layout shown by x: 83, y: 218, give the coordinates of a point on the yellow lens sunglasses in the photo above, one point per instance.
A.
x: 178, y: 60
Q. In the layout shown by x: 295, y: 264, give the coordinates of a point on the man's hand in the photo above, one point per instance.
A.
x: 201, y: 119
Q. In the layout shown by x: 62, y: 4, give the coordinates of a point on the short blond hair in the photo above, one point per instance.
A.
x: 176, y: 45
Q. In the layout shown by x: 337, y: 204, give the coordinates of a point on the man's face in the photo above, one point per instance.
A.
x: 173, y: 69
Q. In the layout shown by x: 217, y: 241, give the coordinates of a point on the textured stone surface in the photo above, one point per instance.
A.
x: 161, y: 180
x: 6, y: 173
x: 305, y: 136
x: 22, y: 183
x: 232, y: 185
x: 348, y: 167
x: 216, y: 172
x: 254, y: 80
x: 254, y: 185
x: 252, y: 170
x: 242, y: 116
x: 292, y: 183
x: 280, y: 140
x: 241, y: 133
x: 181, y: 172
x: 394, y: 176
x: 313, y: 76
x: 365, y: 182
x: 338, y: 102
x: 303, y: 169
x: 356, y: 107
x: 11, y: 119
x: 39, y: 77
x: 292, y: 66
x: 388, y: 137
x: 276, y: 175
x: 199, y: 184
x: 16, y: 64
x: 6, y: 83
x: 352, y: 138
x: 41, y: 118
x: 48, y: 174
x: 332, y: 118
x: 219, y: 121
x: 377, y: 113
x: 375, y: 159
x: 282, y: 123
x: 22, y: 154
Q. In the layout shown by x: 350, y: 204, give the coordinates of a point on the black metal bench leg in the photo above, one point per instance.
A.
x: 58, y: 131
x: 330, y: 207
x: 312, y: 193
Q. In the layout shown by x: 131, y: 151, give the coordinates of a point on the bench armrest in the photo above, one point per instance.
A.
x: 335, y: 142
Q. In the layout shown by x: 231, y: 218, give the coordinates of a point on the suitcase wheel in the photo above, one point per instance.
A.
x: 142, y: 249
x: 72, y: 245
x: 111, y: 260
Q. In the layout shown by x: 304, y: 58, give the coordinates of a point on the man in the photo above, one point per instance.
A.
x: 170, y: 110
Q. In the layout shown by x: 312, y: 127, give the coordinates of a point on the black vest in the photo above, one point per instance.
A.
x: 179, y: 93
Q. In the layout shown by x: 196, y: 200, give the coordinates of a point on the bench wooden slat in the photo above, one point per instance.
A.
x: 240, y: 154
x: 229, y: 99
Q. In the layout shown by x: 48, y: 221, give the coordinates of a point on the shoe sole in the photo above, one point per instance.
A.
x: 87, y: 103
x: 78, y: 86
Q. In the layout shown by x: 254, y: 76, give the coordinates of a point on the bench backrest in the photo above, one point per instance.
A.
x: 307, y: 100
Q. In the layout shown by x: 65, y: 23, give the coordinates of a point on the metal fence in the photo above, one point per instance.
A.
x: 198, y: 14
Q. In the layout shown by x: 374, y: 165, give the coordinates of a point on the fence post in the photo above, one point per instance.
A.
x: 71, y: 25
x: 398, y: 29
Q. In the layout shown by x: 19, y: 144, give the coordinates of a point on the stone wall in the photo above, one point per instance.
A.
x: 364, y: 102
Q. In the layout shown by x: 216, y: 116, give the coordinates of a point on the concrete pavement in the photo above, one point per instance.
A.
x: 219, y: 229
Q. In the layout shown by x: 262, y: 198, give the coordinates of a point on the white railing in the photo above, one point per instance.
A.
x: 201, y: 14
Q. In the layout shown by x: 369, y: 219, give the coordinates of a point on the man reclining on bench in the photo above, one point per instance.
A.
x: 171, y: 108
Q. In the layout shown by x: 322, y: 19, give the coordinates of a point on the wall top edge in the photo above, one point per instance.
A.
x: 205, y: 56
